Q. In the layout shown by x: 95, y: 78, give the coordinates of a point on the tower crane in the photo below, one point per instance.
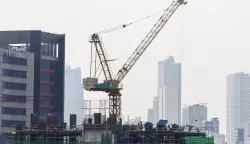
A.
x: 112, y: 85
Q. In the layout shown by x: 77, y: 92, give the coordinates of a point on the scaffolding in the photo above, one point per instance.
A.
x: 91, y: 107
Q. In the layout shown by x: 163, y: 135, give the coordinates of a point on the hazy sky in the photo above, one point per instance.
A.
x: 209, y: 37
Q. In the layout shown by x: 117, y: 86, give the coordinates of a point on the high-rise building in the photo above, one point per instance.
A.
x: 194, y: 115
x: 219, y: 139
x: 238, y: 108
x: 32, y: 76
x: 212, y: 126
x: 150, y: 115
x: 155, y: 110
x: 169, y: 90
x: 73, y: 94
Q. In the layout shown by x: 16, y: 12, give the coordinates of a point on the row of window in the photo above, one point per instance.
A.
x: 14, y: 60
x: 11, y: 123
x: 14, y: 73
x: 12, y: 98
x: 13, y: 111
x: 47, y: 65
x: 46, y: 89
x: 45, y: 101
x: 46, y: 77
x: 14, y: 86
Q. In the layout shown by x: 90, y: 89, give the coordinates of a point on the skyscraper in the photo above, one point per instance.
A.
x: 73, y: 94
x: 169, y: 90
x: 238, y: 108
x: 194, y: 115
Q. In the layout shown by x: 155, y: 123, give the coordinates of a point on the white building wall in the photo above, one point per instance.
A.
x: 155, y: 110
x: 185, y: 115
x: 28, y: 92
x: 219, y: 139
x: 238, y: 108
x: 73, y: 94
x: 246, y: 132
x: 150, y: 115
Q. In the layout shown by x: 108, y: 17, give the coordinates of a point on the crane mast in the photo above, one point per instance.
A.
x: 111, y: 85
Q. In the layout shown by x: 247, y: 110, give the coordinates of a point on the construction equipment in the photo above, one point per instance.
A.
x: 111, y: 84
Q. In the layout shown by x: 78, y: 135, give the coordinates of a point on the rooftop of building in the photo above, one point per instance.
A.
x: 24, y: 36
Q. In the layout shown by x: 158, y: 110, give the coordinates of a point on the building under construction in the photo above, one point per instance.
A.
x: 95, y: 111
x: 109, y: 134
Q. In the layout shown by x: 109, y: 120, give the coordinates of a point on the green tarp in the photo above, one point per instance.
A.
x: 199, y: 140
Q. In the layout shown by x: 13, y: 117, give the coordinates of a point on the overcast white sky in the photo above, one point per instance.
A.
x: 209, y: 37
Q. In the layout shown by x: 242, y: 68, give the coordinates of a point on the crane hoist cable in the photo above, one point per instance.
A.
x: 125, y: 25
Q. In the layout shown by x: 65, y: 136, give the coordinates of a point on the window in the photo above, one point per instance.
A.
x: 14, y: 73
x: 46, y: 77
x: 10, y: 123
x: 14, y: 60
x: 13, y: 111
x: 14, y: 86
x: 46, y: 89
x: 44, y: 112
x: 45, y: 101
x: 47, y: 65
x: 12, y: 98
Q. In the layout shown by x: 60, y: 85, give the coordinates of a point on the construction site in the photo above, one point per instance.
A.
x: 103, y: 123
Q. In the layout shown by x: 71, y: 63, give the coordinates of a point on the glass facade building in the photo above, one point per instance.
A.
x: 31, y: 76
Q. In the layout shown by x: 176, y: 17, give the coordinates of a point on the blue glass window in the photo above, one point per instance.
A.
x: 10, y: 123
x: 45, y: 101
x: 14, y: 60
x: 14, y: 73
x: 46, y: 89
x: 12, y: 98
x: 14, y: 86
x: 13, y: 111
x: 46, y: 77
x: 47, y: 65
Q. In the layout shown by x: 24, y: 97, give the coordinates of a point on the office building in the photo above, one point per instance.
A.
x: 212, y: 126
x: 194, y: 115
x: 169, y: 90
x: 32, y: 67
x: 150, y: 115
x: 219, y: 139
x: 237, y: 106
x: 73, y: 94
x: 155, y: 110
x: 17, y: 86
